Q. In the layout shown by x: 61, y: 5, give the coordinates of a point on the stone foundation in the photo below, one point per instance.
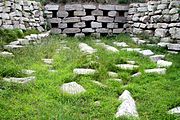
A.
x: 86, y: 19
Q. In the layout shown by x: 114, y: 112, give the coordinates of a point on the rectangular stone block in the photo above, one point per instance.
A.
x: 120, y: 19
x: 97, y: 13
x: 112, y: 13
x: 88, y: 18
x: 104, y: 19
x: 88, y: 30
x: 112, y: 25
x: 103, y: 30
x: 122, y: 7
x: 52, y: 7
x: 79, y: 13
x: 119, y: 30
x: 71, y: 19
x: 72, y: 7
x: 79, y: 25
x: 71, y: 30
x: 106, y: 7
x: 62, y: 14
x: 62, y: 25
x: 55, y: 20
x: 56, y: 31
x: 96, y: 25
x: 90, y: 7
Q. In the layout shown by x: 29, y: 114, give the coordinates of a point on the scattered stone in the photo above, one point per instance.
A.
x: 155, y: 58
x: 137, y: 74
x: 118, y: 80
x: 6, y: 54
x: 127, y: 66
x: 156, y: 70
x: 13, y: 47
x: 83, y: 71
x: 97, y: 103
x: 113, y: 74
x: 132, y: 49
x: 108, y: 47
x: 131, y: 62
x: 86, y: 48
x: 173, y: 52
x: 162, y: 63
x: 28, y: 72
x: 72, y: 88
x: 163, y: 44
x: 120, y: 44
x: 174, y: 111
x: 48, y: 61
x: 128, y: 106
x: 174, y: 47
x: 19, y: 80
x: 146, y: 52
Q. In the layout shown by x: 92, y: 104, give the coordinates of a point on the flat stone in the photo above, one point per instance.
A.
x: 72, y: 88
x: 156, y: 70
x: 132, y: 49
x: 72, y: 7
x: 105, y: 19
x: 96, y: 25
x: 79, y: 25
x: 106, y: 7
x: 89, y: 7
x: 108, y: 47
x: 173, y: 52
x: 112, y: 74
x: 127, y: 66
x: 79, y: 13
x: 28, y: 72
x: 120, y: 44
x: 155, y: 58
x: 83, y: 71
x: 99, y: 83
x: 71, y: 20
x: 131, y: 62
x: 175, y: 110
x: 137, y: 74
x: 6, y: 54
x: 146, y: 52
x: 163, y: 44
x: 88, y: 30
x: 128, y: 106
x: 97, y: 13
x: 52, y: 7
x: 71, y: 30
x: 88, y: 18
x: 19, y: 80
x: 86, y: 48
x: 163, y: 63
x: 12, y: 47
x: 174, y: 47
x: 48, y: 61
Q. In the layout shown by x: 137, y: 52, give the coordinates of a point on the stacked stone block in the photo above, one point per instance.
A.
x: 21, y: 14
x: 156, y: 18
x: 86, y: 19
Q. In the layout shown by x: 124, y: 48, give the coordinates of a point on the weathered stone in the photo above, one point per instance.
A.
x: 13, y: 47
x: 71, y: 30
x: 143, y: 25
x: 120, y: 19
x: 132, y: 49
x: 103, y: 30
x: 161, y: 32
x: 28, y: 72
x: 72, y: 88
x: 88, y: 18
x: 88, y: 30
x: 127, y: 66
x: 48, y: 61
x: 122, y: 7
x: 146, y: 52
x: 71, y: 19
x: 162, y: 63
x: 52, y: 7
x: 96, y: 24
x: 80, y: 35
x: 90, y: 7
x: 162, y: 25
x: 6, y: 54
x: 175, y: 110
x: 56, y: 30
x: 112, y: 25
x: 19, y: 80
x: 113, y: 74
x: 174, y: 17
x: 156, y: 58
x: 62, y: 14
x: 83, y: 71
x: 144, y: 19
x: 71, y: 7
x: 97, y: 13
x: 62, y: 25
x: 173, y: 11
x: 55, y: 20
x: 120, y: 30
x: 105, y: 19
x: 174, y: 47
x: 108, y: 47
x: 142, y: 9
x: 106, y: 7
x: 112, y: 13
x: 162, y: 6
x: 156, y: 70
x: 132, y: 11
x: 79, y: 13
x: 120, y: 44
x: 174, y: 4
x: 128, y: 106
x: 86, y: 48
x: 156, y: 18
x: 137, y: 30
x: 175, y: 32
x: 79, y: 25
x: 137, y: 74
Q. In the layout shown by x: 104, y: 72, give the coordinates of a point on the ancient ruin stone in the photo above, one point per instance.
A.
x: 19, y: 80
x: 175, y: 110
x: 163, y: 63
x: 156, y: 70
x: 86, y: 48
x: 127, y: 66
x: 83, y: 71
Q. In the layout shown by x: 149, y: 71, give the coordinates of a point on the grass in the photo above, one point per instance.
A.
x: 43, y: 99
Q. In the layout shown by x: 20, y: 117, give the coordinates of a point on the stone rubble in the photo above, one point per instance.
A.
x: 163, y: 63
x: 175, y: 110
x: 83, y: 71
x: 127, y: 66
x: 72, y: 88
x: 86, y: 48
x: 20, y: 80
x: 6, y: 54
x: 156, y: 70
x: 120, y: 44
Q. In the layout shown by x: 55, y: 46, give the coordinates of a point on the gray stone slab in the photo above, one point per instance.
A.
x: 97, y: 13
x: 156, y: 70
x: 71, y: 30
x: 79, y: 25
x: 71, y: 7
x: 52, y: 7
x: 83, y: 71
x: 106, y: 7
x: 127, y: 66
x: 79, y: 13
x: 89, y: 7
x: 104, y: 19
x: 20, y: 80
x: 86, y: 48
x: 120, y: 19
x: 71, y: 20
x: 96, y: 24
x: 88, y: 18
x: 88, y: 30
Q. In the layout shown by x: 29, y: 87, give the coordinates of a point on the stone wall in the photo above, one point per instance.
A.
x: 22, y: 14
x: 156, y: 18
x: 86, y: 19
